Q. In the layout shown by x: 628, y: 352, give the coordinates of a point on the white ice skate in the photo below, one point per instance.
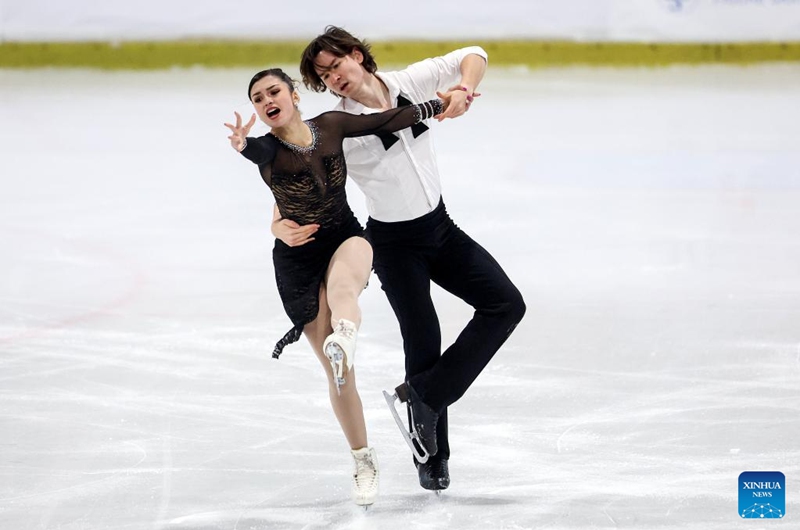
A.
x: 365, y: 476
x: 340, y: 349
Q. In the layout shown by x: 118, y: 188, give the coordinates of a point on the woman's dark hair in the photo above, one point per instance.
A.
x: 339, y: 43
x: 275, y: 72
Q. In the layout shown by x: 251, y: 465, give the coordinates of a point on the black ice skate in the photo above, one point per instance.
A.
x: 434, y: 474
x: 422, y: 438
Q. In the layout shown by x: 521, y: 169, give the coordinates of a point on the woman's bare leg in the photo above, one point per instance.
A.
x: 346, y: 406
x: 346, y: 278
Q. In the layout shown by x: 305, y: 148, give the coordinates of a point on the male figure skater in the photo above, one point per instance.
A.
x: 414, y: 240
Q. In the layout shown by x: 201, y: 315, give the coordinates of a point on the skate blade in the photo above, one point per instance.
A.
x: 420, y: 453
x: 336, y: 357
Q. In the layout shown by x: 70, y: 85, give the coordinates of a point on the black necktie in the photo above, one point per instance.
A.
x: 389, y: 139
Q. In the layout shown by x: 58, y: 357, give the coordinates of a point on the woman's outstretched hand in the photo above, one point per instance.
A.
x: 239, y: 131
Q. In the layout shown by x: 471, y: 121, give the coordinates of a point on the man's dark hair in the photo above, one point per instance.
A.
x: 339, y: 43
x: 274, y: 72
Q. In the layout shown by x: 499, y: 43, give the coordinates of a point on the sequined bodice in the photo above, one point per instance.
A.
x: 311, y: 193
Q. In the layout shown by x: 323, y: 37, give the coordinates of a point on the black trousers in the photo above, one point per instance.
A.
x: 408, y: 256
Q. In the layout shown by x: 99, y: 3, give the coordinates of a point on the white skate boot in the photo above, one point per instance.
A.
x: 365, y: 476
x: 340, y: 349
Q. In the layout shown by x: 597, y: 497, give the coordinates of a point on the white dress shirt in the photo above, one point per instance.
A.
x: 402, y: 183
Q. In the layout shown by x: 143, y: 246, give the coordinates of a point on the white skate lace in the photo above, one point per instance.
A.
x: 365, y: 471
x: 345, y: 331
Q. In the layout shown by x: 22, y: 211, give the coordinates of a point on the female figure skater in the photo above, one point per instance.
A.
x: 319, y: 282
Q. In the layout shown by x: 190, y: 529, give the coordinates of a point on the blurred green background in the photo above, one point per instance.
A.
x: 167, y: 54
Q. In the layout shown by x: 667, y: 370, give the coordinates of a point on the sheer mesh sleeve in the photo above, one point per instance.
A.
x: 260, y: 150
x: 352, y: 125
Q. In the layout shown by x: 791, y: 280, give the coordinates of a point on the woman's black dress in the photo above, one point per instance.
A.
x: 308, y: 184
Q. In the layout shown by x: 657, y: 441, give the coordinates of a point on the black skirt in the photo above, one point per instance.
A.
x: 299, y: 272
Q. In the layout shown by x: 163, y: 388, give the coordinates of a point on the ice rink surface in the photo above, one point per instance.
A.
x: 651, y: 219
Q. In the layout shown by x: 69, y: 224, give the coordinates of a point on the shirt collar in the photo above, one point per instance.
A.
x: 353, y: 106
